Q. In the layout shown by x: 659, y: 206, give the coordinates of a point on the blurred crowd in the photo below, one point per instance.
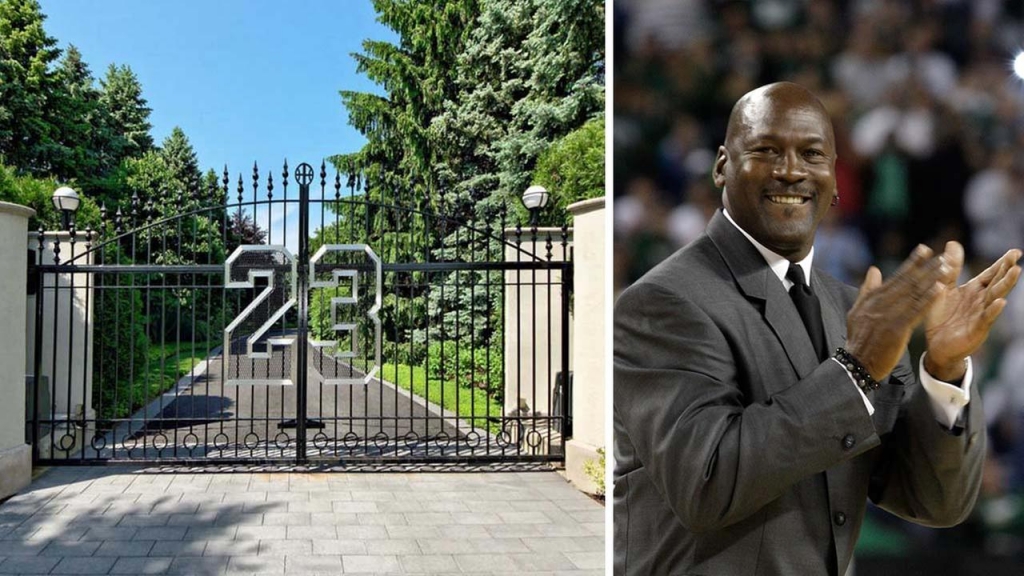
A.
x: 929, y: 123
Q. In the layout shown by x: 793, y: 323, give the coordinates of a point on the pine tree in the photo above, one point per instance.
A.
x: 181, y: 159
x: 180, y: 220
x: 127, y: 111
x: 531, y: 72
x: 83, y: 150
x: 416, y: 75
x: 473, y: 93
x: 27, y: 134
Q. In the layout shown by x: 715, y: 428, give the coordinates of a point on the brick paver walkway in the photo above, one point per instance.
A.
x: 122, y: 520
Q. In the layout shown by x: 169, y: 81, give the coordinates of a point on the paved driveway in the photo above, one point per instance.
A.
x: 127, y: 520
x: 202, y: 417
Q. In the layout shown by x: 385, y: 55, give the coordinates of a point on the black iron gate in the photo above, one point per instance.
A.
x: 188, y: 328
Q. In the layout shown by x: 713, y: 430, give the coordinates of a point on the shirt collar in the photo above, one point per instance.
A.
x: 778, y: 264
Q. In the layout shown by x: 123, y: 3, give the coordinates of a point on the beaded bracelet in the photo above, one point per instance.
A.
x: 859, y: 372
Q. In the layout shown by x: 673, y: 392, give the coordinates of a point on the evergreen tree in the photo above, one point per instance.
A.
x: 166, y: 181
x: 127, y: 111
x: 181, y: 159
x: 83, y: 151
x: 416, y: 75
x: 192, y: 231
x: 473, y: 93
x: 531, y: 72
x: 27, y: 135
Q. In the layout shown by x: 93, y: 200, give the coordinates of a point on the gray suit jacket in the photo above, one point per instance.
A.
x: 737, y: 452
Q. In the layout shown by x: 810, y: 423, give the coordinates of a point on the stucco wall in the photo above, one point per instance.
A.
x: 15, y: 455
x: 588, y: 353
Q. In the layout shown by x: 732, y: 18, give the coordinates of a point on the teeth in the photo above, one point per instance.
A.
x: 787, y: 199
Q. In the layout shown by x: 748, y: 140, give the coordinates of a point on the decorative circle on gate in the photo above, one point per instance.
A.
x: 160, y: 441
x: 251, y: 440
x: 98, y: 442
x: 411, y: 439
x: 381, y: 440
x: 473, y: 439
x: 321, y: 440
x: 304, y: 174
x: 190, y: 441
x: 66, y: 442
x: 220, y: 441
x: 282, y: 444
x: 442, y: 440
x: 134, y: 442
x: 350, y: 440
x: 533, y: 438
x: 504, y: 439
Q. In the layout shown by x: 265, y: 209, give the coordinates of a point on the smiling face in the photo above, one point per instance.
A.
x: 778, y: 167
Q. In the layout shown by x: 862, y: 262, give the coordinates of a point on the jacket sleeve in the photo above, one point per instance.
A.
x: 682, y: 417
x: 929, y: 474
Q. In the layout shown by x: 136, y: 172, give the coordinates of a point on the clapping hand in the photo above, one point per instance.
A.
x: 959, y: 320
x: 881, y: 321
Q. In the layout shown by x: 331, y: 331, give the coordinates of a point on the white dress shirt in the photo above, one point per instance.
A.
x: 947, y: 400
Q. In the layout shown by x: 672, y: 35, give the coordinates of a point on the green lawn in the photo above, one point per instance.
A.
x: 164, y: 366
x: 470, y: 404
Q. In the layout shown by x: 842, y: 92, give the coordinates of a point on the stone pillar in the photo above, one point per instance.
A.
x: 67, y: 346
x: 588, y: 353
x: 15, y: 454
x: 533, y: 332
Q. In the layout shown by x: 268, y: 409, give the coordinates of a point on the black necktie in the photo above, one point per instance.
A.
x: 809, y: 307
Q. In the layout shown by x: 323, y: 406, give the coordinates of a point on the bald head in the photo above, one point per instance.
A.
x: 772, y: 99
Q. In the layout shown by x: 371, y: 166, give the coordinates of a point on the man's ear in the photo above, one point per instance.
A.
x: 718, y: 173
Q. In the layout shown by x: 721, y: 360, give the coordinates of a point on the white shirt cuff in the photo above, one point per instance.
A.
x: 947, y: 400
x: 867, y: 403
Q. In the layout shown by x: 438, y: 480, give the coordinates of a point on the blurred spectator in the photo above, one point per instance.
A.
x: 860, y: 70
x: 842, y: 250
x: 641, y: 217
x: 689, y: 219
x: 921, y: 62
x: 994, y: 204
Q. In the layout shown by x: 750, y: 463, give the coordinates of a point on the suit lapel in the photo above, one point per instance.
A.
x: 757, y: 282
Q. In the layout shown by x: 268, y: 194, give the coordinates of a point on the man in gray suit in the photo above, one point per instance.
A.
x: 756, y: 411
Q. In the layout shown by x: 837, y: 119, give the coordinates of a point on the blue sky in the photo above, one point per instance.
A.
x: 246, y: 80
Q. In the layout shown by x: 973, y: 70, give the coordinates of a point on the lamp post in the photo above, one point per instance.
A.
x: 66, y: 201
x: 535, y: 198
